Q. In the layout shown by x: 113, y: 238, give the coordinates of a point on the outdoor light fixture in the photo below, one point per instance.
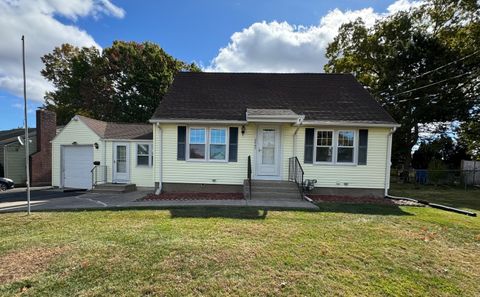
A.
x: 74, y: 143
x: 243, y: 129
x: 95, y: 145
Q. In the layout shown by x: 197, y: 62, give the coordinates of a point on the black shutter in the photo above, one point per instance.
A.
x: 181, y: 142
x: 233, y: 144
x: 309, y: 141
x: 362, y: 146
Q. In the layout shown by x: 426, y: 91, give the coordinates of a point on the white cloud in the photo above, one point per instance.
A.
x: 282, y: 47
x: 36, y: 20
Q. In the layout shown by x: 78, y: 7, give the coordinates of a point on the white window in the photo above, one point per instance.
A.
x: 335, y: 146
x: 197, y: 143
x: 209, y: 144
x: 324, y: 146
x: 144, y: 154
x: 218, y: 144
x: 346, y: 146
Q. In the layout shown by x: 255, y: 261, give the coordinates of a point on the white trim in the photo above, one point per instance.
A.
x: 388, y: 161
x: 127, y: 140
x: 355, y: 145
x: 150, y: 154
x: 315, y: 142
x: 335, y: 133
x: 114, y: 161
x: 348, y: 124
x: 207, y: 144
x: 278, y: 153
x: 191, y: 121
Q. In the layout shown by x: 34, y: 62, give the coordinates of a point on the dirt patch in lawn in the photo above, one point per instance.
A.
x: 193, y: 196
x: 362, y: 200
x: 23, y: 264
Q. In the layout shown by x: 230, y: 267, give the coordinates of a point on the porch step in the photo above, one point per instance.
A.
x: 273, y: 190
x: 115, y: 188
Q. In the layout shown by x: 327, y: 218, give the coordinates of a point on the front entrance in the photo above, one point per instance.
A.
x: 121, y: 163
x: 268, y: 152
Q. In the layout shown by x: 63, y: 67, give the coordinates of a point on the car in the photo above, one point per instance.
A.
x: 6, y: 183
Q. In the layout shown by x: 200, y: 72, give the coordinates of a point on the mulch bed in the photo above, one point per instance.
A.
x: 362, y: 200
x: 193, y: 196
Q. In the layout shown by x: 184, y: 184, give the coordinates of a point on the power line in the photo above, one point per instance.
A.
x: 434, y: 70
x: 429, y: 85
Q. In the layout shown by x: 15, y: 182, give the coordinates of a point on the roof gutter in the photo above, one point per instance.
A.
x: 351, y: 124
x: 196, y: 121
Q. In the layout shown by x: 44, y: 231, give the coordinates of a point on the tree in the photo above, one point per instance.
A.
x: 123, y: 83
x: 401, y: 61
x: 470, y: 136
x: 443, y: 149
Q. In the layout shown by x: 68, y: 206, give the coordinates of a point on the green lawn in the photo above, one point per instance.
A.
x: 342, y: 250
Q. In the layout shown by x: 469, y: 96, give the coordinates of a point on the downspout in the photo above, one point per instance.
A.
x: 388, y: 162
x: 298, y: 124
x: 160, y: 136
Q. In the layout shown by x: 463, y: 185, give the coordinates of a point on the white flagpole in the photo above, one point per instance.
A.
x: 27, y: 143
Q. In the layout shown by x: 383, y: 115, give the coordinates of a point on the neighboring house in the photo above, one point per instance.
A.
x: 12, y: 153
x: 209, y: 124
x: 123, y: 153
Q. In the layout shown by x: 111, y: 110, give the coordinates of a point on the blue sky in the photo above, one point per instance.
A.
x: 193, y: 31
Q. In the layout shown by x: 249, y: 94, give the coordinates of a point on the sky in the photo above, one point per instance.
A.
x: 228, y: 36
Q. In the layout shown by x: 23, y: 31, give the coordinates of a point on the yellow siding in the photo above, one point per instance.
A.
x: 74, y: 131
x: 142, y: 176
x: 199, y: 172
x: 173, y: 171
x: 371, y: 175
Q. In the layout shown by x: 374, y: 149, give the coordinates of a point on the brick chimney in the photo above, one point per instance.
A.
x: 41, y: 161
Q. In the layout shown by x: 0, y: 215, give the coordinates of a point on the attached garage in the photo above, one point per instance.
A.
x: 77, y: 163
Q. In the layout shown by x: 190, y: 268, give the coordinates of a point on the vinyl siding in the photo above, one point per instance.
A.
x: 74, y: 131
x: 14, y: 165
x: 200, y: 172
x: 370, y: 176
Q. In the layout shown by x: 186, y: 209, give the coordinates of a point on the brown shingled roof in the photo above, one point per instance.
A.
x: 227, y: 96
x: 109, y: 130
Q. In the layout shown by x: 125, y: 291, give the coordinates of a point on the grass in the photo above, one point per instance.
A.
x: 342, y: 250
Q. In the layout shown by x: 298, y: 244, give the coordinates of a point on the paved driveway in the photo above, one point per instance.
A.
x: 55, y: 199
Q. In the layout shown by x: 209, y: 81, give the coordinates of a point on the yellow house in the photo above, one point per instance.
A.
x: 88, y: 152
x: 225, y: 131
x: 229, y: 132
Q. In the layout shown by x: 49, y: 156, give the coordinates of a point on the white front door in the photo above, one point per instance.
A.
x: 121, y: 163
x: 268, y: 152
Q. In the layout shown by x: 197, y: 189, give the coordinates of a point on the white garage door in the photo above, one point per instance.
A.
x: 77, y: 163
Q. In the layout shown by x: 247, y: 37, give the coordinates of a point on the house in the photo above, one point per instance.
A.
x: 208, y: 125
x: 212, y: 129
x: 12, y: 152
x: 122, y: 153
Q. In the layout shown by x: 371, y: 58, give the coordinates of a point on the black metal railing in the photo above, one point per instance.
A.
x: 99, y: 175
x: 296, y: 173
x: 249, y: 176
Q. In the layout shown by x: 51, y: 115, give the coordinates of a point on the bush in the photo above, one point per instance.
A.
x: 437, y: 171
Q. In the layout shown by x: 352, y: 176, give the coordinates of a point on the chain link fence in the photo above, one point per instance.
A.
x: 467, y: 179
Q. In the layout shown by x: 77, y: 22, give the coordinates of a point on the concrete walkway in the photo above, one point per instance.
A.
x: 57, y: 200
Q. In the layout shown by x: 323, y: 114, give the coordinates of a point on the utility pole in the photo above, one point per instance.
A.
x: 27, y: 143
